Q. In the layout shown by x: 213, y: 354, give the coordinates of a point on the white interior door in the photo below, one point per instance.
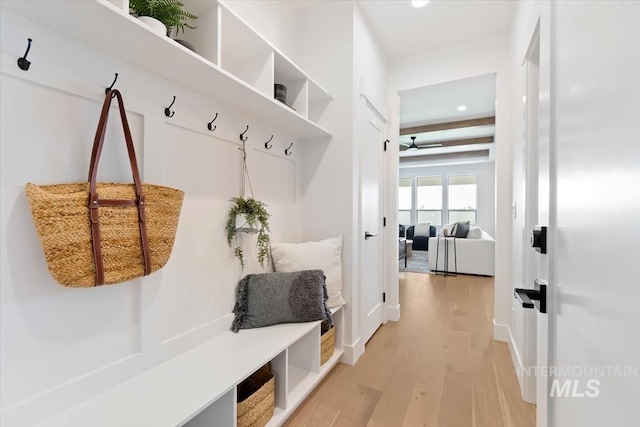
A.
x: 596, y: 270
x: 371, y: 253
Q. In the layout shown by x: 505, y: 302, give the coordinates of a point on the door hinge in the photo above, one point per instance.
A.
x: 384, y: 221
x: 386, y: 141
x: 384, y: 297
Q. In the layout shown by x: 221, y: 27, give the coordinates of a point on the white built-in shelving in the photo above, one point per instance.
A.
x: 198, y: 388
x: 234, y: 65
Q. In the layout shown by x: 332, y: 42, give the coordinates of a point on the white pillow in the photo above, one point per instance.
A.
x: 475, y: 232
x: 325, y: 255
x: 421, y: 229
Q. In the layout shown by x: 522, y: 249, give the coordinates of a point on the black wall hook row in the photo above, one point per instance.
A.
x: 287, y: 151
x: 167, y: 111
x: 23, y: 63
x: 106, y: 91
x: 210, y: 125
x: 266, y: 144
x: 242, y: 135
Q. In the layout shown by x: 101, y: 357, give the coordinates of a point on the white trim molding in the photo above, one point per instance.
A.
x: 501, y: 332
x: 392, y: 312
x: 352, y: 352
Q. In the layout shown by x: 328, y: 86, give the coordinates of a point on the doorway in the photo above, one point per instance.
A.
x: 446, y: 168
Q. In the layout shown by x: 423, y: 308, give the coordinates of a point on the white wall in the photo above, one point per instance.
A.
x: 370, y: 83
x: 485, y: 181
x: 330, y: 171
x: 60, y: 346
x: 276, y: 21
x: 479, y: 57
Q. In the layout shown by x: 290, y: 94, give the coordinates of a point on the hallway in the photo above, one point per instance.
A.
x: 438, y: 366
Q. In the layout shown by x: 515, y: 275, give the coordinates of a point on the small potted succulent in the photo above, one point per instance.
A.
x: 162, y: 15
x: 248, y: 215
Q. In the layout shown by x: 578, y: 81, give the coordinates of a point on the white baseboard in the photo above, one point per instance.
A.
x: 527, y: 394
x: 393, y: 312
x: 501, y: 332
x: 352, y: 352
x: 517, y: 361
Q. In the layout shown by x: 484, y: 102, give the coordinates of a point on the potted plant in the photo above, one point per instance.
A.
x: 248, y: 215
x: 162, y: 15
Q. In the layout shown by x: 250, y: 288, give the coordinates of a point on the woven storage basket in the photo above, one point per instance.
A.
x: 61, y: 218
x: 100, y: 233
x: 256, y: 399
x: 327, y: 344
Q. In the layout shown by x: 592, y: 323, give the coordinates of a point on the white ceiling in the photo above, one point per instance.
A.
x: 439, y: 103
x: 403, y: 30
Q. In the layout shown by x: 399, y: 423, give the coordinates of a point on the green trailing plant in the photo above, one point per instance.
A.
x: 257, y: 217
x: 169, y: 12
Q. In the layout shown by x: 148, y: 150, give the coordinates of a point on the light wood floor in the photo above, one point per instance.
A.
x: 437, y: 366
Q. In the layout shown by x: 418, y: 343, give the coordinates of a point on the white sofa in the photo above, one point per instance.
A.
x: 474, y: 256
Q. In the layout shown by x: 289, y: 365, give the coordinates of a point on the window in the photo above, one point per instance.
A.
x: 404, y: 201
x: 429, y: 200
x: 462, y: 198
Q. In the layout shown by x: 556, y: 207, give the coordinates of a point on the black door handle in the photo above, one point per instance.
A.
x: 530, y: 298
x: 367, y: 235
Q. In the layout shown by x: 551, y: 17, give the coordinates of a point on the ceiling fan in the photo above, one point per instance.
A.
x: 414, y: 147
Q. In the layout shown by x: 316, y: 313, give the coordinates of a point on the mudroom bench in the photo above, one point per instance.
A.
x: 198, y: 388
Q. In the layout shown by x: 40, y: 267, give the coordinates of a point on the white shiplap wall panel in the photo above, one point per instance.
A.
x: 60, y: 346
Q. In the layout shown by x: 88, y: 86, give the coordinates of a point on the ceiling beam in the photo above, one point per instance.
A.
x: 452, y: 143
x: 485, y: 121
x: 446, y: 156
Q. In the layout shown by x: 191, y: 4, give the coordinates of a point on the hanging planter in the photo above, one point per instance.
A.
x: 243, y: 226
x: 248, y: 215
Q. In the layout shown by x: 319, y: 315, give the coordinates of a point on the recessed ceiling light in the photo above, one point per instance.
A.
x: 419, y: 3
x: 462, y: 108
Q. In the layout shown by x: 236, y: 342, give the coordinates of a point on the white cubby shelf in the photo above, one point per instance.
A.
x: 198, y: 388
x: 234, y: 64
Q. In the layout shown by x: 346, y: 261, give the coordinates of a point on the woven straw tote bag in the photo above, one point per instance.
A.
x: 100, y: 233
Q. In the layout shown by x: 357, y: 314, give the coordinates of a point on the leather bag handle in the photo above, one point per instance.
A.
x: 98, y: 142
x: 95, y: 202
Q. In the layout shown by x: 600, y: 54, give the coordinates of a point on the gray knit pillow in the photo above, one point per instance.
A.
x: 272, y: 298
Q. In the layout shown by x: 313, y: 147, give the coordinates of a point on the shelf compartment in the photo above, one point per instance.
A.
x: 300, y: 380
x: 205, y: 39
x: 245, y: 54
x: 279, y: 370
x: 222, y: 412
x: 108, y: 29
x: 303, y: 363
x: 287, y: 74
x: 319, y: 100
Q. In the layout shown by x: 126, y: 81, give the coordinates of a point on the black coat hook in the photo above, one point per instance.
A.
x: 167, y: 111
x: 23, y: 63
x: 106, y: 91
x: 210, y: 125
x: 266, y: 144
x: 242, y: 135
x: 287, y: 151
